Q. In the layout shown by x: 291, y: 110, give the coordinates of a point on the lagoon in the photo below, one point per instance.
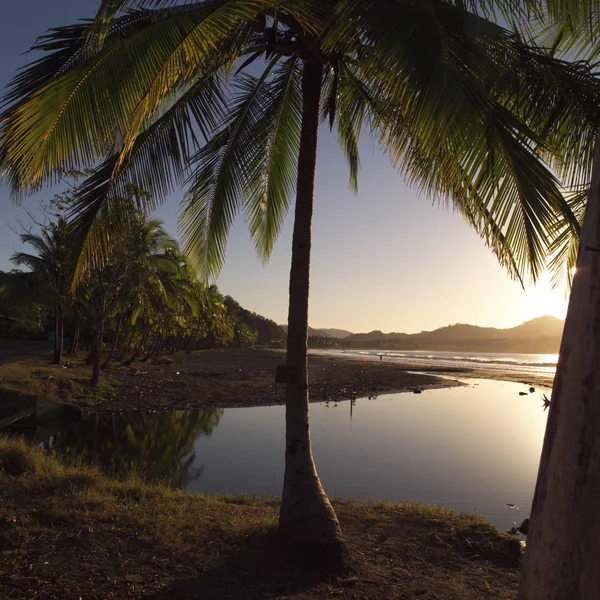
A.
x: 470, y: 448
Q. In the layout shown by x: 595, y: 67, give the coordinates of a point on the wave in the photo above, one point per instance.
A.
x: 512, y: 362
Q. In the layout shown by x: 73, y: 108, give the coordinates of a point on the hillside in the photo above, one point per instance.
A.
x: 540, y: 335
x: 336, y: 333
x: 316, y: 332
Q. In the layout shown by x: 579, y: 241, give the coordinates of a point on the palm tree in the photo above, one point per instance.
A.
x: 51, y: 268
x: 562, y: 560
x: 161, y: 97
x: 143, y: 270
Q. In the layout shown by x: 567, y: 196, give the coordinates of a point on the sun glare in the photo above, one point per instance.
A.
x: 543, y: 299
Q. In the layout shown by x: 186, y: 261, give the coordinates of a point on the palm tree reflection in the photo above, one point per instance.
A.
x: 157, y: 446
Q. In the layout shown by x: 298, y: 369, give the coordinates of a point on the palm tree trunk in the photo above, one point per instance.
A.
x: 562, y: 560
x: 97, y: 351
x: 75, y: 341
x: 114, y: 346
x: 306, y: 515
x: 138, y: 351
x: 126, y: 348
x: 58, y: 335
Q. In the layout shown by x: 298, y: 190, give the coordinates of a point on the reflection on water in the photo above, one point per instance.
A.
x: 157, y: 446
x: 469, y: 448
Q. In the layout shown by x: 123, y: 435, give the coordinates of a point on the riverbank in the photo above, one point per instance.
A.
x: 226, y: 378
x: 246, y: 377
x: 70, y: 532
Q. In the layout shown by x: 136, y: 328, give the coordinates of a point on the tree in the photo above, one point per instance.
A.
x: 51, y: 268
x: 463, y: 107
x: 142, y: 275
x: 20, y: 306
x: 562, y: 560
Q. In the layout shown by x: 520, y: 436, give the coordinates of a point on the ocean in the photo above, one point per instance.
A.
x: 538, y: 364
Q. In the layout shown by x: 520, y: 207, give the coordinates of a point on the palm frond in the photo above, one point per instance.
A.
x: 565, y: 245
x: 273, y: 157
x: 89, y: 109
x: 220, y: 176
x: 450, y: 113
x: 155, y: 168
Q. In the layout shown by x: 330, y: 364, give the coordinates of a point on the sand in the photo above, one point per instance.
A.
x: 246, y: 377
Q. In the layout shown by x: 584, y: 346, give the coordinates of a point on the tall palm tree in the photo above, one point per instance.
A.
x: 562, y: 560
x: 51, y: 268
x: 160, y: 97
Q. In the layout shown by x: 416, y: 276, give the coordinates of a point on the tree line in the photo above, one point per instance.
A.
x: 140, y: 302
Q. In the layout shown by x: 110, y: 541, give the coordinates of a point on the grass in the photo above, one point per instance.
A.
x: 36, y: 376
x: 68, y: 531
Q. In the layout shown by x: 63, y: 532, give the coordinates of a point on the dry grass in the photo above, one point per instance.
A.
x: 35, y: 375
x: 66, y: 531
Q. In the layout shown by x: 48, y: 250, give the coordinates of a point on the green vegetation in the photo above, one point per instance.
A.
x: 20, y: 307
x: 67, y: 531
x: 34, y: 375
x: 140, y: 302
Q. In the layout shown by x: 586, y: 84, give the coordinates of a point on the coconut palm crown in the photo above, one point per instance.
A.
x: 157, y: 94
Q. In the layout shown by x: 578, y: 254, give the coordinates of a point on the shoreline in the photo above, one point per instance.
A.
x: 234, y: 378
x: 231, y: 378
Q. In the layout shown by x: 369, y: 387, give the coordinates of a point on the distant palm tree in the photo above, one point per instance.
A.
x: 52, y: 270
x: 462, y: 106
x: 143, y: 272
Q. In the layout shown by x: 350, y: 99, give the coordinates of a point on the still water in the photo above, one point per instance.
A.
x: 471, y: 448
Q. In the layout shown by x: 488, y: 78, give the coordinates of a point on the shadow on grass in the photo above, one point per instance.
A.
x: 260, y: 567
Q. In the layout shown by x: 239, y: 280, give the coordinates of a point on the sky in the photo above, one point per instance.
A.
x: 386, y: 258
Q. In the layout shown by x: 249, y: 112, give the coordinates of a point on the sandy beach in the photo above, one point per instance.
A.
x: 246, y: 377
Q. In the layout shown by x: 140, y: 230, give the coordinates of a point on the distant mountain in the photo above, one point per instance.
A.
x: 313, y: 332
x: 336, y: 333
x: 538, y: 336
x: 541, y: 335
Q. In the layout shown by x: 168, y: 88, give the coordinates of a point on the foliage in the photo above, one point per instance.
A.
x: 466, y: 109
x: 142, y: 300
x: 268, y: 332
x: 20, y: 306
x: 157, y: 447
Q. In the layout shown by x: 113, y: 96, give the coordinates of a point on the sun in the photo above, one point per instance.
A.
x: 543, y: 299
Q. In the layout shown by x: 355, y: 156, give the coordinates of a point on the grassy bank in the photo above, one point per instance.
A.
x: 35, y: 375
x: 67, y: 531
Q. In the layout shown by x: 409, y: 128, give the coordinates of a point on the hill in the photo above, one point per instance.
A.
x: 315, y: 332
x: 540, y: 335
x: 336, y: 333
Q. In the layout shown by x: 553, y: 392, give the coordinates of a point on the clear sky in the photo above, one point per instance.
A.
x: 385, y: 259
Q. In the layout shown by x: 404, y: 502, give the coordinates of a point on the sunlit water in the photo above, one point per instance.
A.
x: 471, y: 448
x: 539, y: 364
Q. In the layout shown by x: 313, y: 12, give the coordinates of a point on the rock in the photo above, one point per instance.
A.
x: 531, y: 390
x: 524, y: 527
x: 522, y: 393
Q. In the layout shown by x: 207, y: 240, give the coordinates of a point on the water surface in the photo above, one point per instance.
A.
x: 538, y: 364
x: 471, y: 448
